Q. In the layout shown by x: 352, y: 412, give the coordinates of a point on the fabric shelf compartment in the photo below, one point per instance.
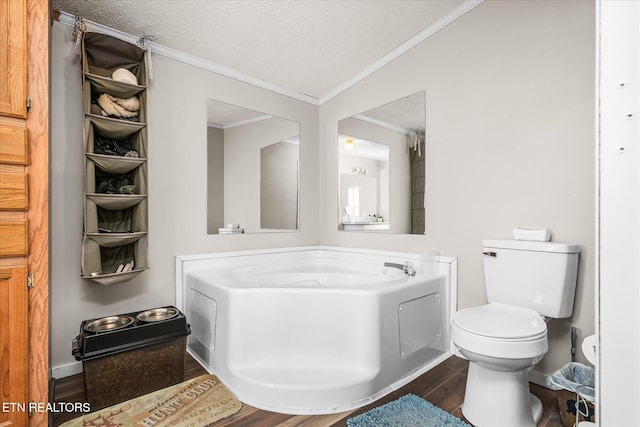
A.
x: 102, y: 220
x: 115, y: 278
x: 110, y: 240
x: 112, y: 128
x: 115, y: 121
x: 115, y: 221
x: 132, y: 104
x: 116, y: 201
x: 114, y: 147
x: 112, y: 257
x: 115, y: 164
x: 103, y: 54
x: 107, y: 183
x: 99, y: 181
x: 113, y: 87
x: 100, y: 263
x: 115, y: 144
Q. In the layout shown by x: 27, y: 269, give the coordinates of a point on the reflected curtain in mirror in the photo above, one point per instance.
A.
x: 418, y: 176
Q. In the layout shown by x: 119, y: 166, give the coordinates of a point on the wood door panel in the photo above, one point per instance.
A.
x: 14, y: 148
x: 14, y: 339
x: 13, y: 83
x: 15, y: 237
x: 14, y: 191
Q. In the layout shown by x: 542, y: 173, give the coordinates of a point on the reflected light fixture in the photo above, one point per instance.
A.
x: 349, y: 144
x: 359, y: 171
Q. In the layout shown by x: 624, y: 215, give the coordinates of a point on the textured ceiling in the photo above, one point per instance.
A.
x: 310, y: 47
x: 221, y: 114
x: 408, y: 113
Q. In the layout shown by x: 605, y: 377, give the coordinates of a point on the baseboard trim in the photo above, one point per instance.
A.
x: 66, y: 370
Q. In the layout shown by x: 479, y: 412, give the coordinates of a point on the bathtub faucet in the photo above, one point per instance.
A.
x: 407, y: 267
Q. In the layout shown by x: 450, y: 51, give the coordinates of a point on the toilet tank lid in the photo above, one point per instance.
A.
x: 526, y: 245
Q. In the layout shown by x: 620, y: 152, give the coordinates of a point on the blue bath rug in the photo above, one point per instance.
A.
x: 408, y: 411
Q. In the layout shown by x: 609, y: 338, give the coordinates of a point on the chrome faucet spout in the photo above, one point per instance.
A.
x: 407, y: 267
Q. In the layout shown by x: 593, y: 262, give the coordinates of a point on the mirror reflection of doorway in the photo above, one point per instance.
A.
x: 364, y: 185
x: 397, y: 127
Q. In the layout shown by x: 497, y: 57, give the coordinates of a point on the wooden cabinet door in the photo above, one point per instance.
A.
x: 14, y: 237
x: 14, y: 339
x: 24, y: 200
x: 13, y: 58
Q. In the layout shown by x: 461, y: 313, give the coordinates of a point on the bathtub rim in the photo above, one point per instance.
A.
x: 183, y: 261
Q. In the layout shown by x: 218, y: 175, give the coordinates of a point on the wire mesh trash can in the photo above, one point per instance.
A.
x: 575, y: 384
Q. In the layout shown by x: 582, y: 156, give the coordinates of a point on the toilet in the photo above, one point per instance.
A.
x: 527, y: 284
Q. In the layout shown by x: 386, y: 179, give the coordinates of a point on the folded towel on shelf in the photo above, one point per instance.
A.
x: 229, y: 230
x: 119, y: 107
x: 538, y: 234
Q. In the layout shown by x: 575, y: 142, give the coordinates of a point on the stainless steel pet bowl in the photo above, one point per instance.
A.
x: 157, y: 314
x: 110, y: 323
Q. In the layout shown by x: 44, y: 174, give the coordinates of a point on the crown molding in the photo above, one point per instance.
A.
x: 68, y: 19
x: 403, y: 48
x: 241, y: 122
x: 382, y: 124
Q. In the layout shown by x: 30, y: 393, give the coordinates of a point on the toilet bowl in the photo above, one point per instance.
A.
x: 504, y: 339
x: 502, y: 344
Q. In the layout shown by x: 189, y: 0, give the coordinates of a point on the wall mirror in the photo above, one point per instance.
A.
x: 381, y: 168
x: 252, y: 171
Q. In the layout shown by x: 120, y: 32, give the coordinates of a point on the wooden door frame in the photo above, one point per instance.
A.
x: 38, y: 59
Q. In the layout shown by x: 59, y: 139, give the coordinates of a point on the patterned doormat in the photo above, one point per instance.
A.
x: 408, y: 411
x: 194, y: 403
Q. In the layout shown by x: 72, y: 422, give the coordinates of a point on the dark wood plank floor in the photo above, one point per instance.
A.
x: 443, y: 386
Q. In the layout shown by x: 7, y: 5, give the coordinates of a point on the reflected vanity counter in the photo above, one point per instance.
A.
x: 316, y: 330
x: 365, y: 226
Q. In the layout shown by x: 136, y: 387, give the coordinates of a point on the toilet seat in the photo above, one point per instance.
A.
x: 499, y: 330
x: 502, y: 321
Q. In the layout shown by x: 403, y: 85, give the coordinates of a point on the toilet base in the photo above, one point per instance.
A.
x: 500, y: 399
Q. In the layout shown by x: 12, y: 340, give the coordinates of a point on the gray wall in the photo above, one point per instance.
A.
x: 279, y: 186
x: 215, y: 179
x: 177, y: 116
x: 509, y: 141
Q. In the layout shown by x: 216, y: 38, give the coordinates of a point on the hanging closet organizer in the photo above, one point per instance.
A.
x: 115, y: 145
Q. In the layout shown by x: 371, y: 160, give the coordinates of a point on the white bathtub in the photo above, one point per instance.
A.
x: 315, y: 330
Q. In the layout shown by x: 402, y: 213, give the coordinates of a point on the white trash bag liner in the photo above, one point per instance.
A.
x: 575, y: 377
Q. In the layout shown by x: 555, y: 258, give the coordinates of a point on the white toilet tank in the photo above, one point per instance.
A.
x: 537, y: 275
